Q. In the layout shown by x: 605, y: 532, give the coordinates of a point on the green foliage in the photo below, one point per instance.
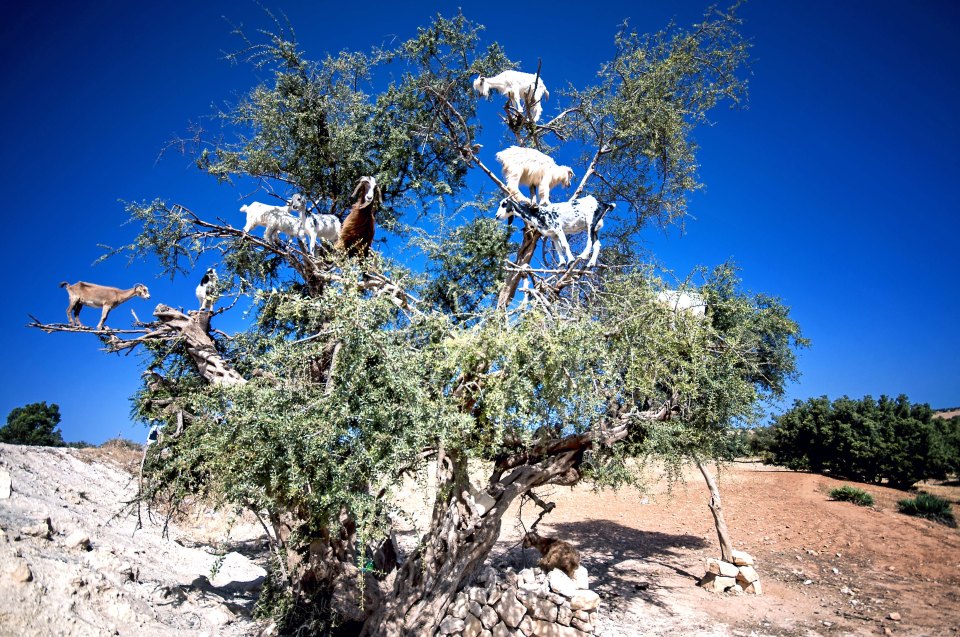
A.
x: 930, y: 507
x: 349, y: 391
x: 33, y: 424
x: 847, y: 493
x: 864, y: 440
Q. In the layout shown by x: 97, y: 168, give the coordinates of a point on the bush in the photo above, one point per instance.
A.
x: 930, y: 507
x: 33, y: 424
x: 846, y: 493
x: 865, y: 440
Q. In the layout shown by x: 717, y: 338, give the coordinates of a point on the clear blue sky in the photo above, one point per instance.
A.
x: 836, y: 189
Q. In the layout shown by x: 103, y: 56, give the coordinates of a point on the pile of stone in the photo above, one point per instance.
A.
x: 529, y: 603
x: 737, y: 577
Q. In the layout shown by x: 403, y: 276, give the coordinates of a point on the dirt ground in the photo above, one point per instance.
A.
x: 827, y: 568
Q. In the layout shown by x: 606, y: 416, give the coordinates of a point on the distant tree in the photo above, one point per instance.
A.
x: 33, y: 424
x: 867, y: 440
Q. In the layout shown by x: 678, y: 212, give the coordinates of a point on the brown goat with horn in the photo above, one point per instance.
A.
x: 357, y: 231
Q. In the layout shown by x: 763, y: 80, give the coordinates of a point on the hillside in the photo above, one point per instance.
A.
x: 828, y: 568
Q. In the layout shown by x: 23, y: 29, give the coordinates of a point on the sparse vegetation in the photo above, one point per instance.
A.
x: 847, y: 493
x: 930, y: 507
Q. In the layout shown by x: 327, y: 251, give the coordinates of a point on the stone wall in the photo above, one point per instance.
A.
x: 529, y: 603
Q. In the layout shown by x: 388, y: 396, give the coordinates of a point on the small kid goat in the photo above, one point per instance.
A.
x: 516, y: 85
x: 358, y: 229
x: 277, y: 219
x: 93, y: 295
x: 558, y: 220
x: 532, y: 168
x: 207, y: 290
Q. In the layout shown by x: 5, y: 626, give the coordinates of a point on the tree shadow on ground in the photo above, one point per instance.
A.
x: 622, y: 561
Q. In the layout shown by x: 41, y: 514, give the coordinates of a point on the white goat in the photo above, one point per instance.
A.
x: 325, y: 227
x: 207, y: 290
x: 532, y: 168
x: 102, y: 296
x: 516, y: 86
x: 692, y: 303
x: 558, y: 220
x: 277, y: 219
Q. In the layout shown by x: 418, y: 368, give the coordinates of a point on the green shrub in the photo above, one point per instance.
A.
x: 846, y: 493
x: 865, y: 440
x: 930, y: 507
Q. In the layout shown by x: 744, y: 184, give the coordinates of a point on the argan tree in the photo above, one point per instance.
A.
x: 356, y: 374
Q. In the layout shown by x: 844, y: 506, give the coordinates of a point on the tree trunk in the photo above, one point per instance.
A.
x: 459, y: 541
x: 716, y: 508
x: 194, y: 332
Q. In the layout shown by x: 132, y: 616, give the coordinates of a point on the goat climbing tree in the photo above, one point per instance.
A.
x: 355, y: 375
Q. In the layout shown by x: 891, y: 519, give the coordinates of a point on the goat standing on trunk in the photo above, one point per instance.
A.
x: 358, y: 228
x: 93, y: 295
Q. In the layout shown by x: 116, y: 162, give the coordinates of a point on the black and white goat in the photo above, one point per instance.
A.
x: 516, y: 86
x: 207, y: 290
x: 558, y: 220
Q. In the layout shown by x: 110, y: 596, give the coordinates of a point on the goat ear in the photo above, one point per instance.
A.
x: 356, y: 190
x: 378, y: 195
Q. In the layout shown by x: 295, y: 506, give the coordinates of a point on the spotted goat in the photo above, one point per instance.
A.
x: 560, y: 219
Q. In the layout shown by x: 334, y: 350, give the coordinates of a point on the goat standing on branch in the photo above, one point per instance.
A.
x: 207, y: 290
x: 516, y: 86
x: 532, y: 168
x: 93, y: 295
x: 558, y: 220
x: 358, y: 229
x: 277, y: 219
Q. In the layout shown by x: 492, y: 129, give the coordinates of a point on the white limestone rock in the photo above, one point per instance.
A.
x: 560, y: 583
x: 741, y: 558
x: 585, y: 600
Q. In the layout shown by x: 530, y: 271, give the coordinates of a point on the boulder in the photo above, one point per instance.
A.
x: 5, y: 485
x: 747, y: 575
x: 511, y: 611
x: 78, y: 539
x: 719, y: 567
x: 238, y: 573
x: 742, y: 559
x: 717, y: 583
x: 585, y: 600
x: 754, y: 588
x: 21, y: 574
x: 581, y: 578
x: 451, y: 625
x: 41, y: 529
x: 488, y: 617
x: 560, y: 583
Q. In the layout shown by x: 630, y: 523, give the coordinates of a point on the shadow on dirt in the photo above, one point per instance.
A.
x: 623, y: 562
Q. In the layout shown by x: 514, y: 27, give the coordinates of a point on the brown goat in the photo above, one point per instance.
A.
x: 554, y: 553
x: 94, y: 295
x: 357, y: 231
